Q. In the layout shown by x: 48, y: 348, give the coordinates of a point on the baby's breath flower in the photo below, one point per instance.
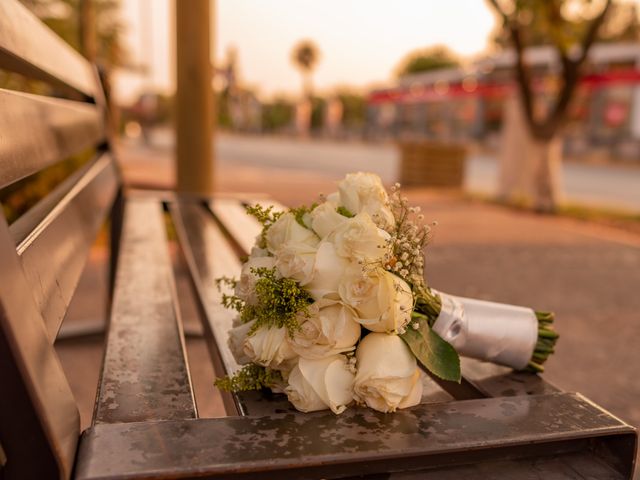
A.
x: 408, y: 238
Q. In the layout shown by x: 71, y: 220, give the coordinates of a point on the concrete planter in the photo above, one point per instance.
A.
x: 433, y: 164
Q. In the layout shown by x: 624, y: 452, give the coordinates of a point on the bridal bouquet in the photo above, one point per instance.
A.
x: 333, y: 308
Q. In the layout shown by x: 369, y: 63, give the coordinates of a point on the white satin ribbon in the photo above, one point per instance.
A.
x: 494, y: 332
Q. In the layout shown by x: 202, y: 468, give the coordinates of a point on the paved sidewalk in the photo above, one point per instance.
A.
x: 589, y: 275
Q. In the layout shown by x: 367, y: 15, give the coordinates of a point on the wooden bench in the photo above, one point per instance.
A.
x: 495, y: 424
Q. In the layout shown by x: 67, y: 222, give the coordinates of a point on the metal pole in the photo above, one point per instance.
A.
x: 194, y: 98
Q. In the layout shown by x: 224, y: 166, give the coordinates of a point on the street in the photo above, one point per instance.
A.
x: 596, y: 185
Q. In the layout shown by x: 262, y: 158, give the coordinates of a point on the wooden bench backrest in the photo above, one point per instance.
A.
x: 43, y: 253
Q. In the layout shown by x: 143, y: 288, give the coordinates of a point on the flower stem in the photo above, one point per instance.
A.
x: 545, y: 346
x: 428, y: 305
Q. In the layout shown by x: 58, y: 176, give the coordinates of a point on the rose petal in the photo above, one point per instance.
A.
x: 268, y: 347
x: 327, y: 272
x: 330, y: 379
x: 286, y: 229
x: 237, y: 337
x: 339, y: 384
x: 381, y: 355
x: 415, y: 395
x: 325, y: 219
x: 301, y: 394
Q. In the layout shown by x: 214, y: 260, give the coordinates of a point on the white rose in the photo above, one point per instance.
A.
x: 257, y: 252
x: 246, y: 286
x: 388, y: 376
x: 334, y: 198
x: 359, y: 239
x: 287, y: 230
x: 320, y: 384
x: 328, y: 271
x: 268, y: 347
x: 237, y: 337
x: 296, y: 261
x: 306, y: 219
x: 325, y: 219
x: 331, y: 328
x: 285, y: 369
x: 364, y: 192
x: 382, y: 300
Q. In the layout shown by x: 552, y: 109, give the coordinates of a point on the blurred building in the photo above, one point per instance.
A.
x: 462, y: 104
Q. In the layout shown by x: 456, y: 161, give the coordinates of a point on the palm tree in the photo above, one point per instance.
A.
x: 305, y: 56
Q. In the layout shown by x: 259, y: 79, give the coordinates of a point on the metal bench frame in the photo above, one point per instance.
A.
x: 500, y: 425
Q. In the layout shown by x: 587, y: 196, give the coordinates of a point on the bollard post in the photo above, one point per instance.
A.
x: 194, y: 98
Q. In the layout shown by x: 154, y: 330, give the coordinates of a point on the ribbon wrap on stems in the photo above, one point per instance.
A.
x: 494, y: 332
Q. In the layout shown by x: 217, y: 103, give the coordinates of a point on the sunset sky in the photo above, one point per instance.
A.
x: 361, y: 41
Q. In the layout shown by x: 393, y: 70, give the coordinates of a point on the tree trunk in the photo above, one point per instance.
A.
x: 514, y: 168
x: 529, y: 167
x: 546, y: 158
x: 303, y: 117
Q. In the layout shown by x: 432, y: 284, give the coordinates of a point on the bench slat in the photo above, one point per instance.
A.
x: 29, y: 47
x: 498, y: 381
x: 209, y: 256
x: 357, y: 442
x: 53, y: 254
x: 36, y: 132
x: 244, y: 228
x: 38, y: 414
x: 145, y: 374
x: 581, y: 465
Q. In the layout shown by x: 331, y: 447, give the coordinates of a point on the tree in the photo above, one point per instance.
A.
x: 93, y: 28
x: 305, y: 57
x: 571, y: 28
x: 427, y: 59
x: 354, y: 108
x: 621, y: 24
x: 64, y: 17
x: 277, y: 115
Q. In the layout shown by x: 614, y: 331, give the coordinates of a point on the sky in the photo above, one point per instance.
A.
x: 361, y: 41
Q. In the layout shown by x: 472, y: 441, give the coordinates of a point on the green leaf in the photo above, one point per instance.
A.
x: 438, y: 356
x: 344, y: 212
